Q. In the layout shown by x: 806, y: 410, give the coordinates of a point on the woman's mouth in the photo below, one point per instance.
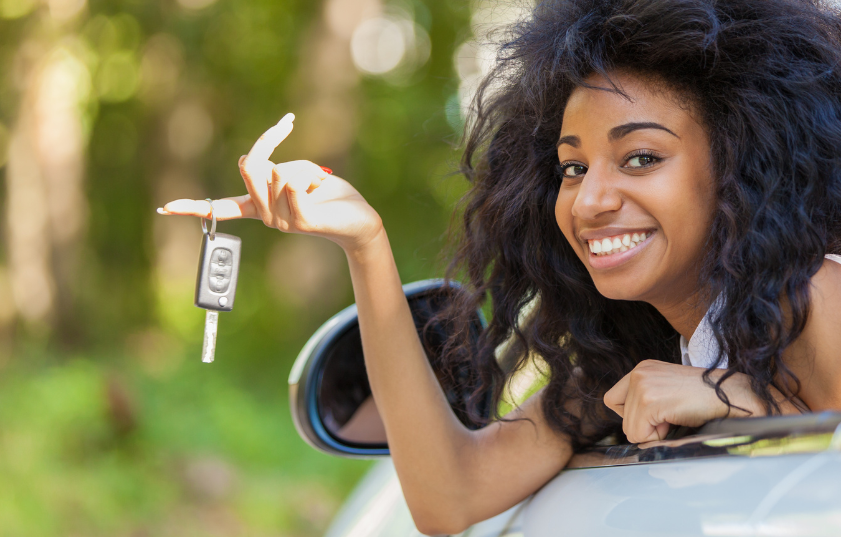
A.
x: 610, y: 252
x: 617, y: 243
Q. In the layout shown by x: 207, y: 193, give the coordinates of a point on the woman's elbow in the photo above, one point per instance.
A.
x: 439, y: 522
x: 437, y: 528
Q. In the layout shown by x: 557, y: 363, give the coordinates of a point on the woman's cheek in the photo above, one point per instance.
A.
x: 563, y: 216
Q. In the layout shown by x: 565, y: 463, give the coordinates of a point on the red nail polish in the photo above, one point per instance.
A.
x: 326, y: 169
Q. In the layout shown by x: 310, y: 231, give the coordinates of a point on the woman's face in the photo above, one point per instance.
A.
x: 637, y: 195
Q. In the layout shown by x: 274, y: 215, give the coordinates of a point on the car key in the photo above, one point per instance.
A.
x: 216, y: 282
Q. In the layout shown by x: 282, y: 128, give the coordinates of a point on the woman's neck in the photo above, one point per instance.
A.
x: 685, y: 315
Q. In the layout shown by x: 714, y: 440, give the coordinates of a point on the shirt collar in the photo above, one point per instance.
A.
x: 702, y: 348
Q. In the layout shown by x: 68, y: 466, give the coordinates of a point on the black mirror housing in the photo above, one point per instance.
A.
x: 328, y: 382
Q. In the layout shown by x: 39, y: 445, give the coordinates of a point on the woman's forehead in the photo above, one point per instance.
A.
x: 601, y: 107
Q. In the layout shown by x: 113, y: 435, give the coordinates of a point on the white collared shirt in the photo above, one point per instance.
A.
x: 702, y: 349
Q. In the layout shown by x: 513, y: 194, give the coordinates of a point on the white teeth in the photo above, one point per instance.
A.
x: 617, y: 244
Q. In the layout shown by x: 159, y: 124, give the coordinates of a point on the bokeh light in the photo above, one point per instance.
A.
x: 380, y: 45
x: 14, y: 9
x: 475, y: 58
x: 65, y: 9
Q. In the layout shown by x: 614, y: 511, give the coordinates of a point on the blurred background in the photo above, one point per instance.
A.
x: 109, y: 422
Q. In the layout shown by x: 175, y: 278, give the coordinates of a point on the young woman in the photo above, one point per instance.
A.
x: 663, y: 181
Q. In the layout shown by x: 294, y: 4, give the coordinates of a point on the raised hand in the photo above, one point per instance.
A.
x: 294, y: 197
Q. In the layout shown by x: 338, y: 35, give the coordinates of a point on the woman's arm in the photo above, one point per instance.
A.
x: 451, y: 476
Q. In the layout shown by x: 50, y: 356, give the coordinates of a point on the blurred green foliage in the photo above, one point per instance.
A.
x: 109, y: 424
x: 87, y: 449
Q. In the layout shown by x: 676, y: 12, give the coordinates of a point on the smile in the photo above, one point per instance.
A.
x: 616, y: 244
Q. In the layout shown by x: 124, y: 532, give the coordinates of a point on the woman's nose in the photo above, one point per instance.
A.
x: 597, y: 194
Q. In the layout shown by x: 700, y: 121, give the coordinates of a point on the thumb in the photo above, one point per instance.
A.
x: 278, y: 182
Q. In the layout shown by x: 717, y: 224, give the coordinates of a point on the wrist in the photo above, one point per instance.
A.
x: 744, y: 403
x: 370, y: 249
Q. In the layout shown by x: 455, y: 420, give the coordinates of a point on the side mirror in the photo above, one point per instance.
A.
x: 330, y: 397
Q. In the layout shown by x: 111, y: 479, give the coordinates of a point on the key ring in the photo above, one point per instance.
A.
x: 212, y: 221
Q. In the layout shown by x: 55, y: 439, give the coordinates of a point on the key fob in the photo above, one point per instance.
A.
x: 216, y: 282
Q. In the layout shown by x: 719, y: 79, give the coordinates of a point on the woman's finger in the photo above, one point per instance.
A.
x: 256, y: 169
x: 296, y: 192
x: 265, y: 145
x: 256, y: 179
x: 643, y: 422
x: 224, y: 209
x: 278, y: 181
x: 285, y: 171
x: 662, y: 430
x: 279, y: 204
x: 615, y: 397
x: 301, y: 175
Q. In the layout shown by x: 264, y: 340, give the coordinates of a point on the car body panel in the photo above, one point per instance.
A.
x: 376, y: 508
x: 784, y: 495
x: 790, y: 495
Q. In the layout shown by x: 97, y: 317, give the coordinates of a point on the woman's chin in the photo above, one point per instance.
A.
x: 619, y: 291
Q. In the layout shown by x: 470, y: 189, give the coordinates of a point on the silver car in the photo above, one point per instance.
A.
x: 775, y: 476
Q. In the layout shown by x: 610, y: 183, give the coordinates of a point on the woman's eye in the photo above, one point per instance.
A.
x: 641, y: 161
x: 572, y: 170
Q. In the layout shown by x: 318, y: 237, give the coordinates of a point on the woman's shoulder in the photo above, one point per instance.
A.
x: 816, y: 356
x: 826, y: 289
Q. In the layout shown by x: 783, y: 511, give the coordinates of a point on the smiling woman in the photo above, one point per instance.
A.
x: 689, y: 154
x: 657, y: 184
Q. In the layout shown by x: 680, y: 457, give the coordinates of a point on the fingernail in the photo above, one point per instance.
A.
x: 326, y: 169
x: 288, y: 117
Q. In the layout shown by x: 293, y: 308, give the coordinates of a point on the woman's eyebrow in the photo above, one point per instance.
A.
x: 626, y: 129
x: 572, y: 140
x: 617, y: 132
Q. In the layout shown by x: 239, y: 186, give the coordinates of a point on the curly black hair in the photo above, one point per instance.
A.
x: 764, y: 77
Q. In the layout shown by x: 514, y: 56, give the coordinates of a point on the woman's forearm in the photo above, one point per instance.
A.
x: 428, y: 444
x: 746, y: 403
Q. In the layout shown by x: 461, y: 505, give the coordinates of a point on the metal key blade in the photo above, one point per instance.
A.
x: 211, y: 326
